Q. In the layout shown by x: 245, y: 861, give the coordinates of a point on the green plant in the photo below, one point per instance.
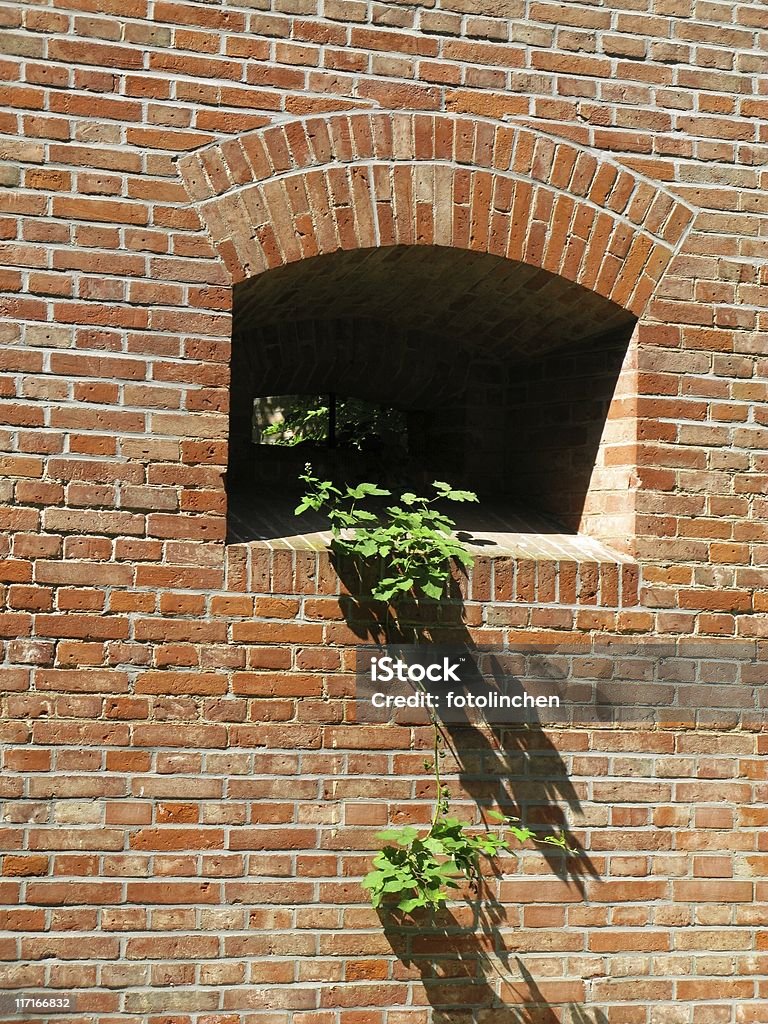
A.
x: 416, y: 871
x: 414, y: 544
x: 413, y: 541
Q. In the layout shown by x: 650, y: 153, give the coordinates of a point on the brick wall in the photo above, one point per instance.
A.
x: 186, y: 808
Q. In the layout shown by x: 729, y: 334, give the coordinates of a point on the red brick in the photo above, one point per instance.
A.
x: 185, y: 693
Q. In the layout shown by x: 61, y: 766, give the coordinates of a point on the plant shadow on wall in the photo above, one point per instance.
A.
x: 395, y: 560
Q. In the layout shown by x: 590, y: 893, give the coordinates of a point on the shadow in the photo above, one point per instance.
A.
x: 556, y: 421
x: 465, y: 956
x: 475, y: 542
x: 515, y: 766
x: 448, y: 957
x: 513, y: 368
x: 416, y: 621
x: 580, y: 1015
x: 466, y: 976
x: 575, y: 1012
x: 518, y: 767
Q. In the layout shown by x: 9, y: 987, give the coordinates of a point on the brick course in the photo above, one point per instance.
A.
x: 186, y: 809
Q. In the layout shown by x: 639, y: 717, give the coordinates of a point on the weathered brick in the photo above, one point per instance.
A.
x: 169, y: 697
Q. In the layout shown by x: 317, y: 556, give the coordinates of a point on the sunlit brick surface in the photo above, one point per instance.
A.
x: 187, y: 807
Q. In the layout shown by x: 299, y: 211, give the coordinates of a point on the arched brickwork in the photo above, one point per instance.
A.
x: 362, y: 180
x: 187, y: 808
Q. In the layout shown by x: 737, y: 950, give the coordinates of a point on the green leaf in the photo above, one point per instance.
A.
x: 448, y: 870
x: 411, y: 904
x: 372, y: 880
x: 363, y: 490
x: 382, y: 861
x: 389, y: 833
x: 445, y: 490
x: 387, y: 589
x: 397, y: 885
x: 521, y: 834
x: 407, y: 836
x: 434, y: 846
x: 368, y: 547
x: 403, y: 836
x: 559, y: 841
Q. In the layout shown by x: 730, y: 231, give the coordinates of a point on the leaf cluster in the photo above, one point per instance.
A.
x: 414, y: 541
x: 414, y: 871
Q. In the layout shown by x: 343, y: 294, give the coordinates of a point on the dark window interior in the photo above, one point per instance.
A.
x: 411, y: 364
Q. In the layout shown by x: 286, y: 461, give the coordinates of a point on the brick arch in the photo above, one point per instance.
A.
x: 321, y: 184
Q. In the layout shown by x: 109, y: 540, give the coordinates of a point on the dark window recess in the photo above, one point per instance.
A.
x: 406, y: 365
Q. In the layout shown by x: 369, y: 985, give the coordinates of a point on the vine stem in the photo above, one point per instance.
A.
x: 438, y: 778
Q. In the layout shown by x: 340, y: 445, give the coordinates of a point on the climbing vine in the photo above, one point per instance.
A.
x: 414, y: 545
x: 416, y: 870
x: 412, y: 540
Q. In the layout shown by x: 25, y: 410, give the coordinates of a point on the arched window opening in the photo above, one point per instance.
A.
x: 415, y: 363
